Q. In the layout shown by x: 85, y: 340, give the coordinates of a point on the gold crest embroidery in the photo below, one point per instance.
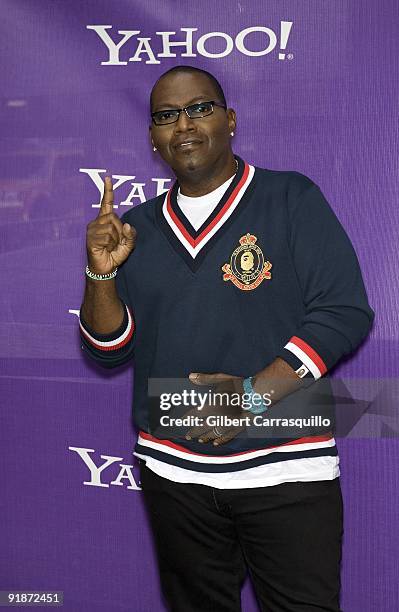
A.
x: 247, y: 267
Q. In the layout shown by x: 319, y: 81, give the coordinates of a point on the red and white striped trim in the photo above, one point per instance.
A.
x: 117, y: 343
x: 301, y: 444
x: 194, y: 245
x: 307, y: 355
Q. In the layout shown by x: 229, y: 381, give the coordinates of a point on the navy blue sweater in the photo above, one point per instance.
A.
x: 271, y: 273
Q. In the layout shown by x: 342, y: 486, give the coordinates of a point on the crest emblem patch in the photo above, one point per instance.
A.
x: 247, y: 267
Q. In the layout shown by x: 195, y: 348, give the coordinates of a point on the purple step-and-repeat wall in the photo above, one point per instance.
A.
x: 315, y: 87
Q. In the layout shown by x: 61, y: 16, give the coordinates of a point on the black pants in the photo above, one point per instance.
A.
x: 289, y: 536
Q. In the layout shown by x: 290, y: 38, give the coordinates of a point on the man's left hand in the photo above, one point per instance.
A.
x: 232, y: 387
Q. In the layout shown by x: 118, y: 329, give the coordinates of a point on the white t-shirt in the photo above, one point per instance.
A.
x: 197, y: 210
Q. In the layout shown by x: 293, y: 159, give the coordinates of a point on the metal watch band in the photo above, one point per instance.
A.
x: 100, y: 277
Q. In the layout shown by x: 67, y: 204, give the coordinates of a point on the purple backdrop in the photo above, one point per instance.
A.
x: 315, y: 87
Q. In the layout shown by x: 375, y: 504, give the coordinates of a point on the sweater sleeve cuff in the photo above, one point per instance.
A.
x: 303, y: 358
x: 109, y: 342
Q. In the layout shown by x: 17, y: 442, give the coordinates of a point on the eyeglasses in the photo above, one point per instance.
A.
x: 194, y: 111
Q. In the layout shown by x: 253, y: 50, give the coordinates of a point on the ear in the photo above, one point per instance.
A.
x: 150, y: 135
x: 231, y: 119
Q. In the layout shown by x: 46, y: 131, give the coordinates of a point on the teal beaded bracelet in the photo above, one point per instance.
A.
x: 249, y: 390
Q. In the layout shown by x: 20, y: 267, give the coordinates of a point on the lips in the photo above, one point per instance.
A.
x: 186, y: 144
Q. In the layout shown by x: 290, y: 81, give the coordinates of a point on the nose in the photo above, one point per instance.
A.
x: 184, y: 123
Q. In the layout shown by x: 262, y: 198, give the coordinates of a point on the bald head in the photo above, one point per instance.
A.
x: 190, y: 70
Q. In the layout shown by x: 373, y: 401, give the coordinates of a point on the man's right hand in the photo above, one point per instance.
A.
x: 109, y: 243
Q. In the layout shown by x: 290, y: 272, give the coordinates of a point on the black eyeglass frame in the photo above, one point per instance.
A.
x: 185, y: 109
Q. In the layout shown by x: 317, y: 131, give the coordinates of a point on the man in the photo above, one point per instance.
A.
x: 244, y: 278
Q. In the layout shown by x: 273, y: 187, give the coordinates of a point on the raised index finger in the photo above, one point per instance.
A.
x: 107, y: 202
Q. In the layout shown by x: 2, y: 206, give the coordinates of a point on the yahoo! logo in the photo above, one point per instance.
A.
x: 135, y: 193
x: 143, y: 46
x: 96, y: 471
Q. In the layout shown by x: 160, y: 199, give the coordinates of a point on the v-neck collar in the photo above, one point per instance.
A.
x: 192, y: 244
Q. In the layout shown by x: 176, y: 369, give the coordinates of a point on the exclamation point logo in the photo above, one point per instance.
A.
x: 285, y: 29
